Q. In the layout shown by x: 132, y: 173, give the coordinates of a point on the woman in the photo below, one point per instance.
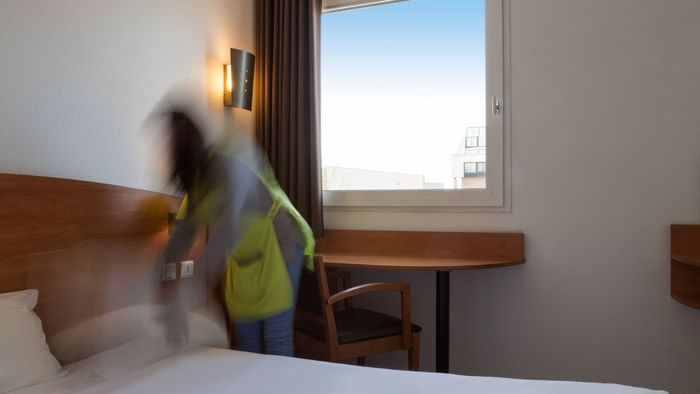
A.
x: 258, y: 242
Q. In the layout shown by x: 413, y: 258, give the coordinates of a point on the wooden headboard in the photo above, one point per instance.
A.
x: 88, y: 248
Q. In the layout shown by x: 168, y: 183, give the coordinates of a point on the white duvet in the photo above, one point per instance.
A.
x: 214, y: 370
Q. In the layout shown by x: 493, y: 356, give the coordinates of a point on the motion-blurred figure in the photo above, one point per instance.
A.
x: 258, y: 242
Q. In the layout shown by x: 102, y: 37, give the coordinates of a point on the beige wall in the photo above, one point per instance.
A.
x: 600, y: 87
x: 606, y: 154
x: 78, y: 78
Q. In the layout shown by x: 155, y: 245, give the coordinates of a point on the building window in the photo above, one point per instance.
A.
x: 408, y: 96
x: 472, y: 169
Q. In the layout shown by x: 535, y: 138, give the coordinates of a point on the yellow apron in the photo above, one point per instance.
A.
x: 256, y: 282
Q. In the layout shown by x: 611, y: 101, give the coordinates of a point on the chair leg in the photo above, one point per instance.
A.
x: 414, y: 353
x: 361, y: 360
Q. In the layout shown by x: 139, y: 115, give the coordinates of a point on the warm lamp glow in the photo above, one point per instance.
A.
x: 228, y: 85
x: 229, y: 79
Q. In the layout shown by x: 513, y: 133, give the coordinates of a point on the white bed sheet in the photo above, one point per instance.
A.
x: 212, y: 370
x: 101, y: 367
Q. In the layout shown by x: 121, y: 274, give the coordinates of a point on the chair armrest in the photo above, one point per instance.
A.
x: 368, y: 288
x: 403, y: 288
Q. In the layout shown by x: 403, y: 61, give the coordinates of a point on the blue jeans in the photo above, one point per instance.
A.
x: 274, y: 335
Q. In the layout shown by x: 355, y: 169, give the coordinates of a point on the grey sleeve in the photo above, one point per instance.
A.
x: 180, y: 241
x: 233, y: 181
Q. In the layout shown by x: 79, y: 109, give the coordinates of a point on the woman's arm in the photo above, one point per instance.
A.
x: 233, y: 181
x: 228, y: 184
x: 180, y: 241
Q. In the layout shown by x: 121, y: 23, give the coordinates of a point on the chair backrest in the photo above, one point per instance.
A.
x: 312, y: 304
x: 309, y: 299
x: 316, y: 287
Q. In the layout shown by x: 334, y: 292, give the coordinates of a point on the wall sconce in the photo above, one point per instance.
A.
x: 238, y: 80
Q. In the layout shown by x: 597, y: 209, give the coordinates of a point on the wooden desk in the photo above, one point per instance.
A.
x: 426, y: 251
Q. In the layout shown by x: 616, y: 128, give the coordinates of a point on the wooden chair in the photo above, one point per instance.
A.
x: 324, y: 331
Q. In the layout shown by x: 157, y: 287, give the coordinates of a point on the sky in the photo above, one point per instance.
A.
x: 400, y: 83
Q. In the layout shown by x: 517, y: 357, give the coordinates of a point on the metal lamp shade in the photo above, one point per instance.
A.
x: 238, y: 80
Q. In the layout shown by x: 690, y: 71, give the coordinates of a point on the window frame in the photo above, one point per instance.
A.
x: 496, y: 196
x: 344, y: 5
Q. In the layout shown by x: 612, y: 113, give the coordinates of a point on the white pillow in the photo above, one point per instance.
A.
x: 25, y: 358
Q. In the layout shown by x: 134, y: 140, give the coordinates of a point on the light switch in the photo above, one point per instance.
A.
x: 168, y: 272
x: 186, y: 269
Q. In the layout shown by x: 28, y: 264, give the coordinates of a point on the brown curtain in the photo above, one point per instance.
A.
x: 287, y: 99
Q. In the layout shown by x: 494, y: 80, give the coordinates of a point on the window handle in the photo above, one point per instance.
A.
x: 496, y: 105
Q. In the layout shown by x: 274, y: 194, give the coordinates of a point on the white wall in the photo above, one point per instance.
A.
x: 79, y: 77
x: 606, y: 154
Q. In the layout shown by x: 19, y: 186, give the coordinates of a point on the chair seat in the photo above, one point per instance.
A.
x: 356, y: 325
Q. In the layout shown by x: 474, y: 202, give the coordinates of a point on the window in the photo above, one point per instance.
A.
x: 476, y: 137
x: 472, y: 169
x: 412, y: 103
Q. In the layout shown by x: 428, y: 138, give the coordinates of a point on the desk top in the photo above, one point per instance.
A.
x: 411, y: 263
x: 430, y: 251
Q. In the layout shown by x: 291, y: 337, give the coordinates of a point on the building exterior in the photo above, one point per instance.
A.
x: 469, y: 163
x: 344, y: 178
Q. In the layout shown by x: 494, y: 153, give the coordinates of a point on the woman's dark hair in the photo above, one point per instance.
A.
x: 188, y: 150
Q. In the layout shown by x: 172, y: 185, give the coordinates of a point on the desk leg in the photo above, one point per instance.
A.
x: 442, y: 322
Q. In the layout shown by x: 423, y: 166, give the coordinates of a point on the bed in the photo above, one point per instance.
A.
x: 89, y: 249
x: 216, y: 370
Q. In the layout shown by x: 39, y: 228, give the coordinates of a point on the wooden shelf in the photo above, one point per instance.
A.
x: 685, y: 264
x: 688, y: 260
x: 420, y: 250
x: 412, y: 263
